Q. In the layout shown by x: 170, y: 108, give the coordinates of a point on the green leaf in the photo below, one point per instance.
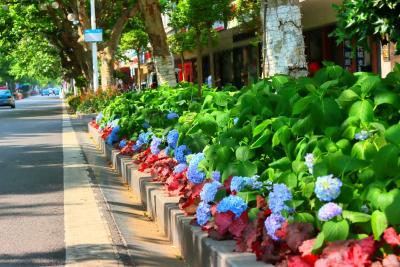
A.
x: 378, y: 223
x: 386, y: 97
x: 385, y: 162
x: 368, y: 83
x: 282, y: 164
x: 392, y: 134
x: 261, y: 127
x: 302, y: 104
x: 335, y: 230
x: 244, y: 153
x: 248, y: 196
x: 363, y: 150
x: 303, y: 126
x: 253, y: 214
x: 347, y: 96
x: 304, y: 217
x: 356, y: 217
x: 363, y: 110
x: 261, y: 141
x: 319, y: 242
x: 221, y: 99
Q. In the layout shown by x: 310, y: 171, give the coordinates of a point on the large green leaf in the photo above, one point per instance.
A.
x: 347, y: 96
x: 385, y: 162
x: 378, y: 223
x: 363, y: 150
x: 363, y: 110
x: 356, y: 217
x: 244, y: 153
x: 302, y: 104
x: 221, y: 99
x: 335, y: 230
x: 262, y: 139
x: 368, y: 83
x: 392, y: 134
x: 387, y: 97
x: 261, y: 127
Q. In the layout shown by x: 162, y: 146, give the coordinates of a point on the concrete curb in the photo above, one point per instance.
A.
x: 196, y: 248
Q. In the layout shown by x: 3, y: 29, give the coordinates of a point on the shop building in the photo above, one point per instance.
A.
x: 237, y: 57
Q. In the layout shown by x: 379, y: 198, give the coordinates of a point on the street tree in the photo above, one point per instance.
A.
x: 180, y: 42
x: 199, y: 16
x: 359, y: 20
x: 283, y: 42
x: 135, y: 38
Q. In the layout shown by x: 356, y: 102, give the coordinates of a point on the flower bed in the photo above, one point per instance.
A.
x: 300, y: 172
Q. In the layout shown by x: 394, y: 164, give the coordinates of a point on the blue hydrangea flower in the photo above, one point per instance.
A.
x: 361, y: 136
x: 143, y: 139
x: 181, y: 152
x: 113, y: 123
x: 278, y: 197
x: 172, y: 138
x: 364, y: 208
x: 216, y: 175
x: 154, y: 146
x: 235, y: 120
x: 180, y: 168
x: 273, y: 223
x: 238, y: 183
x: 232, y: 203
x: 253, y: 182
x: 329, y: 211
x: 99, y: 117
x: 146, y: 125
x: 203, y: 213
x: 122, y: 143
x: 309, y: 158
x: 194, y: 174
x: 209, y: 191
x: 327, y: 187
x: 172, y: 115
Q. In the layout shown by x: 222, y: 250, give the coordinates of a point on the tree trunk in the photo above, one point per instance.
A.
x: 283, y: 38
x: 212, y: 66
x: 107, y: 68
x: 183, y: 67
x: 163, y: 59
x: 199, y: 65
x: 139, y: 77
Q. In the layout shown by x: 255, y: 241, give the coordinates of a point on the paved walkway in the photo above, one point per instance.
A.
x: 146, y: 245
x: 87, y: 237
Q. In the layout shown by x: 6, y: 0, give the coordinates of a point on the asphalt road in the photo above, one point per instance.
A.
x: 31, y: 184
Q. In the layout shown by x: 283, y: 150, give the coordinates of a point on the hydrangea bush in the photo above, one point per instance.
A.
x: 288, y: 168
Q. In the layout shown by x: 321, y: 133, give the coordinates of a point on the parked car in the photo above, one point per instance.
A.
x: 45, y: 92
x: 6, y: 98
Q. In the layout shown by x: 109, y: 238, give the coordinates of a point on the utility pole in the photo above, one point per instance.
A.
x: 94, y: 47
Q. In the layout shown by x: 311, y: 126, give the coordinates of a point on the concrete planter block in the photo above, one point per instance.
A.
x: 196, y: 248
x: 114, y: 159
x: 163, y: 208
x: 126, y: 165
x: 176, y: 234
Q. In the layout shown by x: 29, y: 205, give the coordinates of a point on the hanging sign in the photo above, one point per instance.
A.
x: 92, y: 36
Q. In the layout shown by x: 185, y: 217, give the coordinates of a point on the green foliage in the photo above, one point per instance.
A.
x: 358, y: 20
x: 268, y: 128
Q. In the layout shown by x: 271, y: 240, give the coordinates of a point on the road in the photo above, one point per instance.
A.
x: 59, y: 204
x: 31, y: 184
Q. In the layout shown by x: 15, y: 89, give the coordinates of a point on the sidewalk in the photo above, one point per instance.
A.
x: 137, y: 238
x: 87, y: 236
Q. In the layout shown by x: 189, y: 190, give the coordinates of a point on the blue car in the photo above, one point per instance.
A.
x: 6, y: 98
x: 45, y: 92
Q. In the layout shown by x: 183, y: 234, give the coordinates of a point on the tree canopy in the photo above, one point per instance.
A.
x: 358, y: 20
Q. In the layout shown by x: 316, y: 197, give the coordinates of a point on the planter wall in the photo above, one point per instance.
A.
x: 196, y: 248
